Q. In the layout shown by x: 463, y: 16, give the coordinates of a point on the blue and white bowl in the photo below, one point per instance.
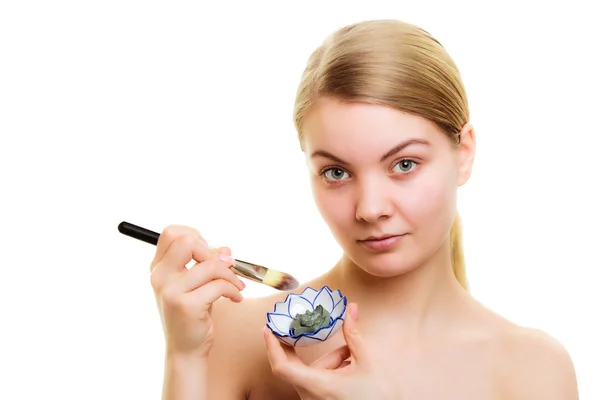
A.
x: 280, y: 320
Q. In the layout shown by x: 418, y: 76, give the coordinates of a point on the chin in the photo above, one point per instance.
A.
x: 383, y: 265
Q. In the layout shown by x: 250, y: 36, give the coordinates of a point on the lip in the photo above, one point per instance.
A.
x: 382, y: 237
x: 379, y: 243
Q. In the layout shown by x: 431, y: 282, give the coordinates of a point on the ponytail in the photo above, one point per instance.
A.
x: 458, y: 258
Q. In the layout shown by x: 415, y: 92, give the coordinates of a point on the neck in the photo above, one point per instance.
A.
x: 422, y: 300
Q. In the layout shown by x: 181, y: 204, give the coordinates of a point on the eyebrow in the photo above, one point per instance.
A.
x: 391, y: 152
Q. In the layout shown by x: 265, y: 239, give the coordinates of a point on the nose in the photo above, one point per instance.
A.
x: 374, y: 201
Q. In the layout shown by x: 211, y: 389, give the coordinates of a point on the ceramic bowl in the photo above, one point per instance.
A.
x: 280, y: 320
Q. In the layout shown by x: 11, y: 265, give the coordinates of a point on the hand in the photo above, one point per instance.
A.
x: 184, y: 296
x: 333, y: 376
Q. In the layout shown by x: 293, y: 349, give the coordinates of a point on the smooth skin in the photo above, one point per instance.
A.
x: 412, y: 331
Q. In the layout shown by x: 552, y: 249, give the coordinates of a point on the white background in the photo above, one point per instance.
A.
x: 164, y: 113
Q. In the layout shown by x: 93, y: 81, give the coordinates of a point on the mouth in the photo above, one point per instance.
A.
x: 378, y: 238
x: 381, y: 243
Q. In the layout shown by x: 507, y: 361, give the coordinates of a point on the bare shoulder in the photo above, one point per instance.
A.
x: 535, y: 365
x: 526, y: 363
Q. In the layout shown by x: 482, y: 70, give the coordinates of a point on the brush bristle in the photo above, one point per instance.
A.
x: 280, y: 280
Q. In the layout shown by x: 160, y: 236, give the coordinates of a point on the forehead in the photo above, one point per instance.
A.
x: 335, y: 125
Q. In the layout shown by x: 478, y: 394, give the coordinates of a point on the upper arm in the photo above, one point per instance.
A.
x: 229, y: 357
x: 539, y: 367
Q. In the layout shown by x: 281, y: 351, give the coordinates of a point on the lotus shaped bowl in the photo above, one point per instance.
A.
x: 280, y: 320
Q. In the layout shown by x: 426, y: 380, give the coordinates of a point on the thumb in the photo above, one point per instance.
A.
x: 352, y: 335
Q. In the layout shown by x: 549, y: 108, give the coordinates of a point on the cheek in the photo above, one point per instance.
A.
x: 335, y: 207
x: 431, y: 202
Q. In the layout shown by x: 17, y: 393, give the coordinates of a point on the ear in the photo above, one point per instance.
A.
x: 466, y: 153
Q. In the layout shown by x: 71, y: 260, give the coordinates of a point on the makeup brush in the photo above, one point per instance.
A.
x: 257, y: 273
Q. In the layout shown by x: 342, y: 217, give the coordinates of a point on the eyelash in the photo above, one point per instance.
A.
x: 330, y: 182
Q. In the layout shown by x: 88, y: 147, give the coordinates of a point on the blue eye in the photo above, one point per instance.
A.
x: 405, y: 166
x: 335, y: 174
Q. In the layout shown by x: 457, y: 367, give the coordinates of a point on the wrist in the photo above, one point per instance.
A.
x: 186, y: 360
x: 185, y: 377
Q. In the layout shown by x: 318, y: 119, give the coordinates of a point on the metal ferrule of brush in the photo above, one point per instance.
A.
x: 251, y: 271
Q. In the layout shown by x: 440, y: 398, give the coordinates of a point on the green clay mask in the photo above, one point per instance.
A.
x: 310, y: 321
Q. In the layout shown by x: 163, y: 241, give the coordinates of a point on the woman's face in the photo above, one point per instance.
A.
x: 384, y: 181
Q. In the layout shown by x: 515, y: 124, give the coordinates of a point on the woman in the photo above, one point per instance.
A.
x: 383, y: 119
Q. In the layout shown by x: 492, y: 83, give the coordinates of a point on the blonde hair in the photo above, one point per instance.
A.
x: 395, y: 64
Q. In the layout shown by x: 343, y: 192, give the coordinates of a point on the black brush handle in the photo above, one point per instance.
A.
x: 148, y: 236
x: 137, y: 232
x: 254, y: 272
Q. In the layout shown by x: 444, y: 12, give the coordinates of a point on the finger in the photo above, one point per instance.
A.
x: 333, y: 359
x: 168, y: 236
x: 213, y: 290
x: 286, y: 364
x: 180, y: 252
x: 224, y: 250
x: 202, y: 273
x: 352, y: 335
x: 186, y: 248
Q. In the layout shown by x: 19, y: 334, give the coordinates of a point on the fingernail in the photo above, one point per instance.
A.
x: 242, y: 284
x: 227, y: 259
